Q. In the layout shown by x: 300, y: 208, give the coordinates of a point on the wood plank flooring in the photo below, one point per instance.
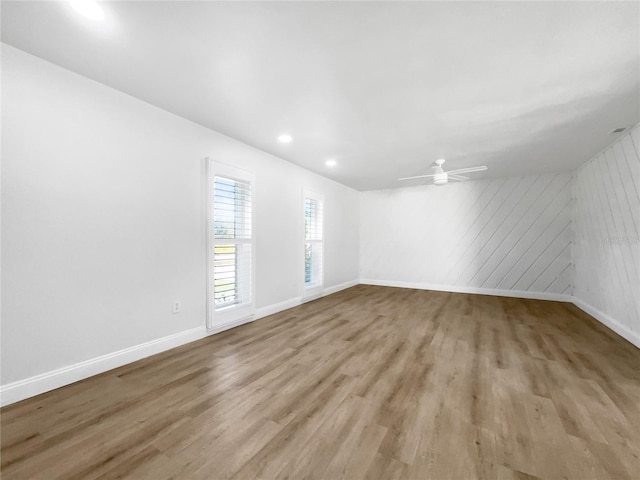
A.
x: 368, y: 383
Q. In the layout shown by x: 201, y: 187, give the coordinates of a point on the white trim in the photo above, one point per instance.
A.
x: 209, y: 242
x: 557, y: 297
x: 311, y: 297
x: 295, y: 301
x: 340, y: 286
x: 329, y: 291
x: 32, y: 386
x: 217, y: 320
x: 313, y: 292
x: 230, y: 324
x: 622, y: 330
x: 277, y: 307
x: 44, y: 382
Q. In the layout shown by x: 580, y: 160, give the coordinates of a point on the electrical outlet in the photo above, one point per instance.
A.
x: 176, y: 306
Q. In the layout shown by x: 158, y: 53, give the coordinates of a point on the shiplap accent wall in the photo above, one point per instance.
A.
x: 506, y: 235
x: 607, y: 243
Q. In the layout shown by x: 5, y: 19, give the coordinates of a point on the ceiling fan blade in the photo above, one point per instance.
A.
x: 467, y: 170
x: 460, y: 178
x: 417, y: 176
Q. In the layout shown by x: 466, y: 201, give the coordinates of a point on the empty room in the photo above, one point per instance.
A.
x: 324, y: 240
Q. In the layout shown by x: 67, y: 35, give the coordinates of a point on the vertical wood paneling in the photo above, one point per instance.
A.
x: 607, y: 244
x: 509, y: 234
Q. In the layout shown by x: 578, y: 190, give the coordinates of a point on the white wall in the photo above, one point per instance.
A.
x: 494, y: 236
x: 607, y: 244
x: 104, y: 221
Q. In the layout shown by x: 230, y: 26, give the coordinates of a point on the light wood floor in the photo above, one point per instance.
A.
x: 371, y: 382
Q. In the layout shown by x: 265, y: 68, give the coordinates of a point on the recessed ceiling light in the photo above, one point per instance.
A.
x: 285, y: 138
x: 88, y: 8
x: 330, y: 163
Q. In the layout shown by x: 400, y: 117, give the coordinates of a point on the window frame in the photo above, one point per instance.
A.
x: 315, y: 290
x: 218, y: 318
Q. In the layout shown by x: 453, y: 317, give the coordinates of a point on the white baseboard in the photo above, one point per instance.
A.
x: 337, y: 288
x: 32, y: 386
x: 295, y: 301
x: 29, y: 387
x: 608, y: 321
x: 231, y: 324
x: 557, y: 297
x: 277, y: 307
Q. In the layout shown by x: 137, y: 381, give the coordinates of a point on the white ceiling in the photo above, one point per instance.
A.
x: 384, y: 88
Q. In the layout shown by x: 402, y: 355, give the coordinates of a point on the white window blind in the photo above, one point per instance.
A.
x: 313, y: 244
x: 230, y: 245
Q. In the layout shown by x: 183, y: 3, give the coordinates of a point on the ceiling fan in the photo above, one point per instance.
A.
x: 440, y: 177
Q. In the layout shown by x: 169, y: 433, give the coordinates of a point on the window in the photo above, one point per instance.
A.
x: 230, y: 245
x: 313, y: 244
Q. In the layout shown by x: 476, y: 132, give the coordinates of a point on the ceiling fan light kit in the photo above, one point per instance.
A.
x: 440, y: 179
